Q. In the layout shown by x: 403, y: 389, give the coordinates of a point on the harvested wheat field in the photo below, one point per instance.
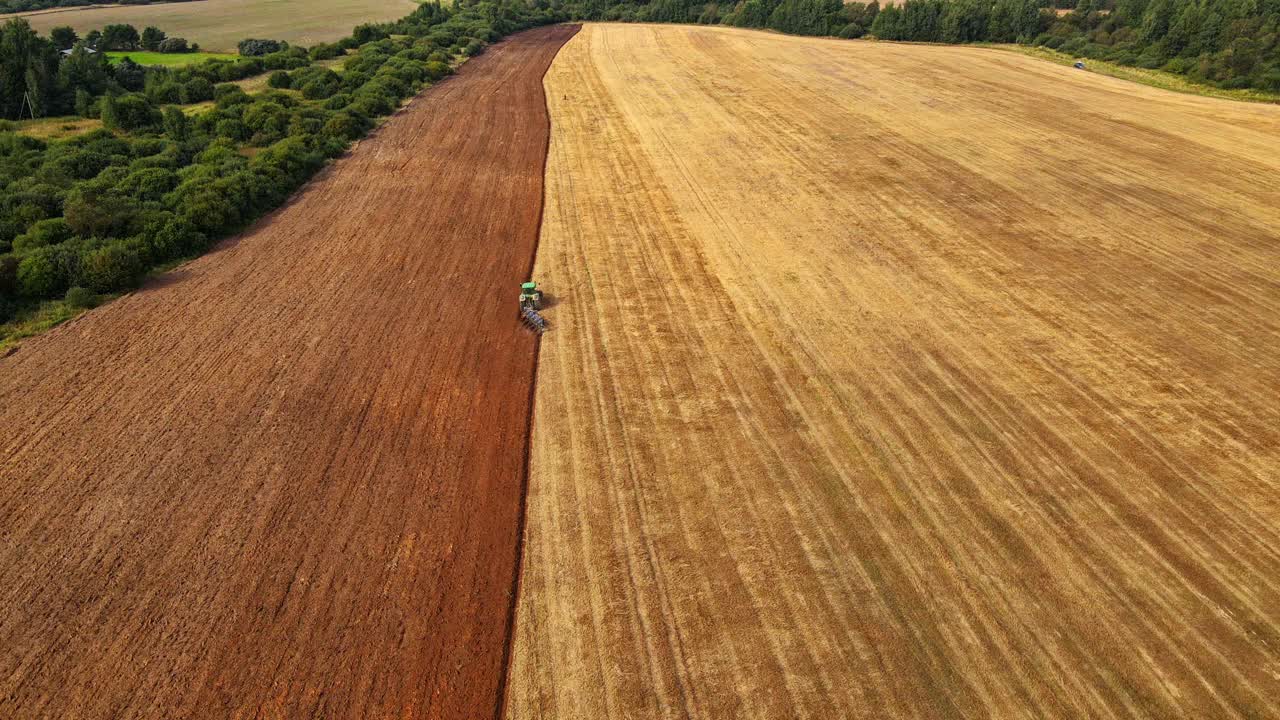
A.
x: 284, y: 481
x: 220, y: 24
x: 899, y: 381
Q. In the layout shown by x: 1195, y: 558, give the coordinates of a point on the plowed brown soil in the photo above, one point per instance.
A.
x: 897, y: 381
x: 284, y: 480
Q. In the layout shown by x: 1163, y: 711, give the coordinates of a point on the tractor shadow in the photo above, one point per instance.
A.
x: 164, y: 280
x: 548, y: 301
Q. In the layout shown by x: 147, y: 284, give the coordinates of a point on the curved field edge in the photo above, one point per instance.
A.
x: 899, y: 381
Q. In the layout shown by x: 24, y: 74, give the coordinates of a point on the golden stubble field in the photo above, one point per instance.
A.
x: 220, y: 24
x: 899, y: 381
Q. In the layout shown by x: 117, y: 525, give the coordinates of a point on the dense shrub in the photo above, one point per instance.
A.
x: 232, y: 128
x: 173, y: 45
x: 50, y: 231
x: 266, y: 122
x: 238, y: 69
x: 318, y: 90
x: 279, y: 79
x: 196, y: 90
x: 371, y: 105
x: 337, y: 102
x: 129, y: 75
x: 73, y: 165
x: 436, y: 70
x: 129, y: 112
x: 353, y: 80
x: 369, y: 33
x: 346, y: 125
x: 325, y: 51
x: 176, y: 125
x: 8, y: 275
x: 152, y: 37
x: 114, y: 267
x: 225, y: 96
x: 288, y: 59
x: 43, y: 273
x: 388, y: 85
x: 64, y: 37
x: 148, y: 184
x: 307, y: 121
x: 253, y: 47
x: 165, y: 91
x: 119, y: 37
x: 92, y: 214
x: 80, y: 297
x: 176, y: 238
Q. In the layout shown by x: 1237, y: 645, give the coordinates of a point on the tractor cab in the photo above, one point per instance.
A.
x: 530, y: 295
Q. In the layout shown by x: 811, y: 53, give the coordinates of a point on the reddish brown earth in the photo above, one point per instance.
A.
x: 284, y: 481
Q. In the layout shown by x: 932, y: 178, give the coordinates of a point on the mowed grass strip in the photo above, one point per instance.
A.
x: 144, y: 57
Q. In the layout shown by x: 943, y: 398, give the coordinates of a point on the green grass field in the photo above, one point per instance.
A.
x: 142, y: 57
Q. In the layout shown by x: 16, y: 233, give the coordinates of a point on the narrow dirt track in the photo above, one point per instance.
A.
x: 894, y: 381
x: 284, y: 481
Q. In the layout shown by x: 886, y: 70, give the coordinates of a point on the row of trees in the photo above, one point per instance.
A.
x: 1227, y: 43
x: 64, y: 74
x: 962, y: 21
x: 120, y: 37
x: 93, y: 213
x: 914, y: 21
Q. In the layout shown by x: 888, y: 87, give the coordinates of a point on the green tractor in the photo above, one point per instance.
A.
x: 530, y: 296
x: 530, y: 302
